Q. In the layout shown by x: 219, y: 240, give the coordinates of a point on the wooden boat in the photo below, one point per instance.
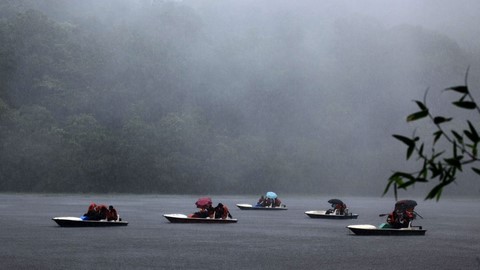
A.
x: 381, y: 230
x: 78, y: 222
x: 334, y: 215
x: 181, y: 218
x: 244, y: 206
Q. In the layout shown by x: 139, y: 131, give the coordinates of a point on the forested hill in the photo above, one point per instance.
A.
x: 218, y: 97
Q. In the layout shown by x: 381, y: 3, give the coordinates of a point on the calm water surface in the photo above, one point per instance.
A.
x: 260, y: 240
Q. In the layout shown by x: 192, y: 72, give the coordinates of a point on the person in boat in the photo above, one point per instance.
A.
x: 340, y: 207
x: 221, y: 211
x: 268, y: 202
x: 400, y: 218
x: 204, y: 212
x: 92, y: 208
x: 337, y: 208
x: 276, y: 202
x: 102, y: 211
x: 261, y: 202
x: 112, y: 214
x: 211, y: 211
x: 92, y: 213
x: 199, y: 214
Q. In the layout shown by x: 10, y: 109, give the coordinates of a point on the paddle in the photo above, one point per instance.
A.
x: 417, y: 214
x: 382, y: 215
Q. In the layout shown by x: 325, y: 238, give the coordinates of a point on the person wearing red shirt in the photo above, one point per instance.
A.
x: 112, y: 214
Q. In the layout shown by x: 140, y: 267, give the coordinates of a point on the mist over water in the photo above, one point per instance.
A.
x: 224, y: 97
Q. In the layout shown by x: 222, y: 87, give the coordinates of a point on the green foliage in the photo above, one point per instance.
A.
x: 440, y: 166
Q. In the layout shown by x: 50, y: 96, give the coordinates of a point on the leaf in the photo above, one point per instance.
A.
x: 474, y: 132
x: 405, y: 140
x: 440, y: 119
x: 457, y: 136
x: 420, y: 151
x: 437, y: 136
x: 399, y: 176
x: 436, y: 192
x: 455, y: 162
x: 423, y: 173
x: 473, y: 148
x: 410, y: 151
x: 421, y: 105
x: 477, y: 171
x: 469, y: 105
x: 471, y: 136
x: 455, y: 149
x: 406, y: 184
x: 417, y: 115
x: 436, y: 171
x: 459, y: 89
x: 437, y: 155
x: 390, y: 182
x: 395, y: 179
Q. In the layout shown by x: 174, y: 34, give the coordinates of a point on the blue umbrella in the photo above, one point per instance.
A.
x: 271, y: 195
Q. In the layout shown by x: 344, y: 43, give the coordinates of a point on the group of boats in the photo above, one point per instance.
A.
x: 337, y: 212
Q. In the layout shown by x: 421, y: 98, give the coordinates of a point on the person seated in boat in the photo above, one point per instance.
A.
x: 408, y: 216
x: 221, y: 211
x: 393, y: 221
x: 268, y: 202
x: 276, y: 202
x: 340, y: 207
x: 400, y: 218
x: 199, y: 214
x: 112, y: 214
x: 92, y: 213
x: 211, y: 211
x: 337, y: 209
x: 92, y: 208
x: 261, y: 202
x: 203, y: 213
x: 331, y: 210
x: 102, y: 211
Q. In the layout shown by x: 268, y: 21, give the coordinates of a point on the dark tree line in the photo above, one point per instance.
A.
x: 118, y: 112
x: 119, y: 102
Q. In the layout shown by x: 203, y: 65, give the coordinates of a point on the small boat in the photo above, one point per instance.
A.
x: 330, y: 215
x: 339, y: 211
x: 244, y: 206
x: 181, y: 218
x: 383, y: 229
x: 78, y: 222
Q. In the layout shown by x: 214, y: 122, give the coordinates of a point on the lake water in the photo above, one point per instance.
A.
x: 260, y: 240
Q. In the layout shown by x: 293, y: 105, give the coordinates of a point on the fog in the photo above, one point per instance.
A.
x: 230, y: 96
